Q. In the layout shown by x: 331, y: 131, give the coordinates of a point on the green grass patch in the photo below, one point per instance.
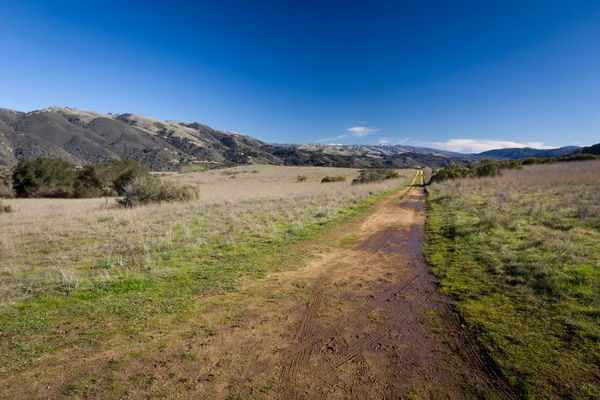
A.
x: 527, y: 282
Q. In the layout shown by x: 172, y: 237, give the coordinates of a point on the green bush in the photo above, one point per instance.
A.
x: 301, y: 178
x: 53, y: 177
x: 375, y: 175
x: 44, y: 177
x: 108, y: 179
x: 5, y: 208
x: 150, y: 189
x: 328, y: 179
x: 6, y: 190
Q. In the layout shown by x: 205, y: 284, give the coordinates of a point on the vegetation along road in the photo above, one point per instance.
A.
x: 302, y: 289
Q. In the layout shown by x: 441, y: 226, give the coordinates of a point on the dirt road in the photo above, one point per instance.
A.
x: 364, y: 321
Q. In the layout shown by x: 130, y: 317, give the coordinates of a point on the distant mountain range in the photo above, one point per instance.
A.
x: 526, y: 152
x: 83, y: 137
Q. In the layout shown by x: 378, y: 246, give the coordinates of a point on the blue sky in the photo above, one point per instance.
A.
x: 463, y: 75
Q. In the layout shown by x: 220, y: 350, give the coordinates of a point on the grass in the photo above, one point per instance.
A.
x: 81, y: 276
x: 92, y: 241
x: 5, y: 208
x: 520, y: 254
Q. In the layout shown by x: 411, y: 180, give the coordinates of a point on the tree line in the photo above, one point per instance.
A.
x: 56, y: 178
x: 489, y: 167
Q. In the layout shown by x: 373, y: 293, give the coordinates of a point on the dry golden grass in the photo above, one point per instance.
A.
x: 544, y: 191
x: 50, y: 243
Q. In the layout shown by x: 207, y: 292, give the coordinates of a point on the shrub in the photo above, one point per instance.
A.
x: 44, y: 177
x: 112, y: 177
x: 5, y: 208
x: 487, y: 167
x: 150, y: 189
x: 375, y: 175
x: 6, y: 190
x: 301, y: 178
x: 328, y: 179
x: 53, y: 177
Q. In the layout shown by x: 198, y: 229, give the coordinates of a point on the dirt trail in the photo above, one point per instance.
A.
x: 371, y: 325
x: 363, y: 321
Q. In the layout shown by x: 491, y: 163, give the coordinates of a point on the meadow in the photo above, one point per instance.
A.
x: 117, y: 273
x: 520, y: 255
x: 65, y: 244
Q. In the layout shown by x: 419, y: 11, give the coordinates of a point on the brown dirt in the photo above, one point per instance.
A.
x: 363, y: 321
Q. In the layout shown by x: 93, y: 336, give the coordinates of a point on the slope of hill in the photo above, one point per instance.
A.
x: 525, y: 152
x: 82, y: 137
x: 594, y: 149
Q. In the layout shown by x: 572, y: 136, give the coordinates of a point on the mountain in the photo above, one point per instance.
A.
x: 83, y: 137
x: 595, y: 149
x: 525, y: 152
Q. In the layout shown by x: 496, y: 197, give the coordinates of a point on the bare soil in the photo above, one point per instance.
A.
x: 361, y: 321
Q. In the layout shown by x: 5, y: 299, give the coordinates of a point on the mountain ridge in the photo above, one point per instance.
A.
x: 83, y: 137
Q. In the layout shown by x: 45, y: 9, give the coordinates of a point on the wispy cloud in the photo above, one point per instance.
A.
x: 361, y: 131
x: 393, y: 140
x: 331, y: 139
x: 480, y: 145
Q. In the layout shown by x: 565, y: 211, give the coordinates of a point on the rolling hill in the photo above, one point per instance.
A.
x: 83, y: 137
x: 594, y: 149
x: 525, y: 152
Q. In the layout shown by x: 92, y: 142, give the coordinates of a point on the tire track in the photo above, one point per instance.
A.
x: 299, y: 353
x: 470, y: 350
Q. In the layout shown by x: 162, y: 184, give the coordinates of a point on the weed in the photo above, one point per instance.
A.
x: 150, y: 189
x: 6, y: 208
x: 375, y: 175
x: 329, y: 179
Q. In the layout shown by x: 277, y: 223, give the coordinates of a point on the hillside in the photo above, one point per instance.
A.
x: 88, y: 137
x: 525, y: 152
x: 82, y: 137
x: 594, y: 149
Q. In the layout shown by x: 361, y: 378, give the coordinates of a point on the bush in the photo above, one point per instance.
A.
x: 301, y: 178
x: 109, y: 178
x: 5, y: 208
x: 6, y: 190
x: 375, y: 175
x: 150, y: 189
x: 328, y: 179
x: 53, y: 177
x: 44, y: 177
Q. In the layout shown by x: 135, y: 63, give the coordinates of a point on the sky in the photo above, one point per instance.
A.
x: 464, y: 76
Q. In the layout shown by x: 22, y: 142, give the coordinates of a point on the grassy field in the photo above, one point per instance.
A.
x: 520, y: 254
x: 117, y: 274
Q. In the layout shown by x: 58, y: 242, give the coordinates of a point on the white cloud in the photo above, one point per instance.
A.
x: 361, y: 131
x: 392, y: 140
x: 331, y: 138
x: 480, y: 145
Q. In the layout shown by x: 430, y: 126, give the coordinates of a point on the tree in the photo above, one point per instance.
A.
x: 44, y: 177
